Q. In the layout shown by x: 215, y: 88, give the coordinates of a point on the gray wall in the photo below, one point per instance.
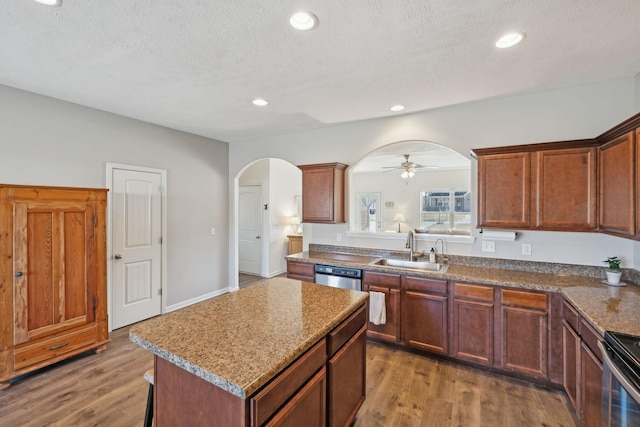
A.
x: 45, y: 141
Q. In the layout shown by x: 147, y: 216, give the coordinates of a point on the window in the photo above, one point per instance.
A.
x: 368, y: 205
x: 445, y: 212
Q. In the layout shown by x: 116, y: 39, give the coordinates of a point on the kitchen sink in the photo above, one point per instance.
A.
x: 414, y: 265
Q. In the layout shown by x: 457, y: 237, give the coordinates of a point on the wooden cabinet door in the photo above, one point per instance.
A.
x: 426, y: 314
x: 473, y: 324
x: 566, y: 189
x: 323, y: 193
x: 617, y: 191
x: 55, y: 267
x: 524, y: 340
x: 390, y: 331
x: 307, y: 407
x: 525, y: 335
x: 591, y: 388
x: 504, y: 190
x: 347, y: 380
x: 570, y: 363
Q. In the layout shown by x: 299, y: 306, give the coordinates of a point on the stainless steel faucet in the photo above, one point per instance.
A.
x: 410, y: 244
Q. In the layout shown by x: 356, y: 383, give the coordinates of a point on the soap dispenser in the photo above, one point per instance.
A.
x: 432, y: 255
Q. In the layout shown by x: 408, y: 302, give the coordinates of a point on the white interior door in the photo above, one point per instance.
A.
x: 250, y: 229
x: 136, y: 242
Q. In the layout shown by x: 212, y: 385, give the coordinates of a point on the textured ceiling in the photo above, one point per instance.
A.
x: 195, y: 65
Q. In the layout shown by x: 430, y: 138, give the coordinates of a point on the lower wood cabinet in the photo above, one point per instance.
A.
x: 426, y: 314
x: 582, y: 379
x: 307, y: 407
x: 524, y: 337
x: 301, y: 271
x: 389, y: 284
x: 473, y: 322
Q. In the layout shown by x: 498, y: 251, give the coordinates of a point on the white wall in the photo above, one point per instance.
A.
x: 565, y: 114
x: 286, y: 183
x: 280, y: 181
x: 51, y: 142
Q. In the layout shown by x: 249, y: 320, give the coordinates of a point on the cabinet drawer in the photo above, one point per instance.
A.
x: 267, y: 401
x: 343, y: 333
x: 570, y: 315
x: 426, y: 285
x: 300, y: 269
x: 526, y: 299
x: 476, y: 292
x: 34, y: 352
x: 590, y: 338
x: 381, y: 279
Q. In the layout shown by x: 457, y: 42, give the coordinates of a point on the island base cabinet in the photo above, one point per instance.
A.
x: 307, y: 407
x: 177, y: 392
x: 347, y: 380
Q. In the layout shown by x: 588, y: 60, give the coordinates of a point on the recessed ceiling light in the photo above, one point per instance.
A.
x: 260, y: 102
x: 397, y: 107
x: 510, y: 39
x: 303, y: 21
x: 55, y: 3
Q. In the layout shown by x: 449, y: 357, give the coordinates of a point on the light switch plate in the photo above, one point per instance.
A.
x: 213, y: 231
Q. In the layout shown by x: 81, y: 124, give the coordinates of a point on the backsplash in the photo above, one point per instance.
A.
x: 628, y: 274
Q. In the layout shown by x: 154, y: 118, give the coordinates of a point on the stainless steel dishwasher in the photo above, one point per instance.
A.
x: 339, y: 277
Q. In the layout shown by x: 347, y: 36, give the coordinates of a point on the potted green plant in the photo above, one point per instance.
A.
x: 613, y: 273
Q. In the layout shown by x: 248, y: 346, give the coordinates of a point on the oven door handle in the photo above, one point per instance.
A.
x: 622, y: 379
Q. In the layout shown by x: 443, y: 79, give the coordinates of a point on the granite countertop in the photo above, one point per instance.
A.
x: 241, y: 340
x: 606, y: 308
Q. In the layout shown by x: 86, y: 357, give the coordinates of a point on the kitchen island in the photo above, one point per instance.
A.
x: 279, y: 352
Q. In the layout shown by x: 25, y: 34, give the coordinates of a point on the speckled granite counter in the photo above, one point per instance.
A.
x: 608, y: 308
x: 240, y: 340
x: 604, y: 307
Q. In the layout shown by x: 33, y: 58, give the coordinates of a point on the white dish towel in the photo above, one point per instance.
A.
x: 377, y: 309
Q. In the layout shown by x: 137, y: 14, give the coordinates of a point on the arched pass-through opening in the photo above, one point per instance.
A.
x: 265, y: 194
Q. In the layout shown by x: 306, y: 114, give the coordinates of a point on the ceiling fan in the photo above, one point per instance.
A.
x: 408, y: 168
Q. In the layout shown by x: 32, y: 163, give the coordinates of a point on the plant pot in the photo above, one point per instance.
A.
x: 613, y: 277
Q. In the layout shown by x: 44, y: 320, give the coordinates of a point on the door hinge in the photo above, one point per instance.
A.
x: 160, y: 292
x: 95, y: 221
x: 161, y: 188
x: 160, y: 240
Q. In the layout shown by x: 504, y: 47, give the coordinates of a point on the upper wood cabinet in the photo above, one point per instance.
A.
x: 565, y: 189
x: 323, y: 193
x: 617, y: 188
x: 543, y: 187
x: 504, y: 190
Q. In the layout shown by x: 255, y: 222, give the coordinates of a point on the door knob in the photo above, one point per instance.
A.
x: 257, y: 237
x: 117, y: 256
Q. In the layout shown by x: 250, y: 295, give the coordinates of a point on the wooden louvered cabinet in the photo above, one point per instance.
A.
x: 52, y: 276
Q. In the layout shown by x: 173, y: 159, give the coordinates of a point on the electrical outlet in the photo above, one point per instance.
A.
x: 339, y: 237
x: 526, y: 249
x: 488, y: 246
x: 213, y: 231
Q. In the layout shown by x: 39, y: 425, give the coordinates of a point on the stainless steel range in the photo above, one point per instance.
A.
x: 621, y: 380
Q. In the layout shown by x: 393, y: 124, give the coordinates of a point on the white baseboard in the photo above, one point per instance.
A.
x: 196, y: 300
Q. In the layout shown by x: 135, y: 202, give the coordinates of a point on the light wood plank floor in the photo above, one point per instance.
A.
x: 245, y: 280
x: 403, y: 389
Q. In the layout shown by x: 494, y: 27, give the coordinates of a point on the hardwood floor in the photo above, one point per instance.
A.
x: 245, y: 280
x: 403, y: 389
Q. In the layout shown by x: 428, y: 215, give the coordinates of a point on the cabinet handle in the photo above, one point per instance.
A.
x: 19, y: 274
x: 55, y: 347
